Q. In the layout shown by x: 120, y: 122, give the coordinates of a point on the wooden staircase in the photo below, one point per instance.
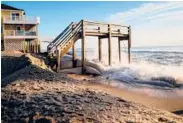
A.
x: 64, y: 40
x: 74, y: 31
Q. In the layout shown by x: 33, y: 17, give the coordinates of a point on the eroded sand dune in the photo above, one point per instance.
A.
x: 37, y: 94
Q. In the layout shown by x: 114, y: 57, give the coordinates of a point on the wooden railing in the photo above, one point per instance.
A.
x: 19, y: 33
x: 60, y: 37
x: 21, y: 19
x: 100, y: 27
x: 89, y: 27
x: 71, y: 33
x: 61, y: 34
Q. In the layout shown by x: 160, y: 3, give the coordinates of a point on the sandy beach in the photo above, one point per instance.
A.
x: 166, y: 103
x: 36, y: 93
x: 101, y: 62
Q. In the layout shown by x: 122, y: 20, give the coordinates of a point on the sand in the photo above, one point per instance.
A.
x: 38, y: 94
x: 170, y: 104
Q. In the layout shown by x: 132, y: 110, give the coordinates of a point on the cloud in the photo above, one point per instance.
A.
x: 154, y: 23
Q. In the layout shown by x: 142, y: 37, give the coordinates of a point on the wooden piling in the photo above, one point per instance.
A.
x: 74, y: 55
x: 109, y: 44
x: 129, y: 44
x: 24, y: 48
x: 113, y: 30
x: 100, y: 48
x: 119, y: 49
x: 27, y: 46
x: 58, y: 60
x: 83, y: 47
x: 37, y: 48
x: 31, y: 47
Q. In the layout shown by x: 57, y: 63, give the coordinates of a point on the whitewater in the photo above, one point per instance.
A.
x: 156, y: 71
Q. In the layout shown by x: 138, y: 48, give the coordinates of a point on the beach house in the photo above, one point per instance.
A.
x: 18, y: 31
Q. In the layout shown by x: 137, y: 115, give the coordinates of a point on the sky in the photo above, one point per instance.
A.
x: 152, y: 23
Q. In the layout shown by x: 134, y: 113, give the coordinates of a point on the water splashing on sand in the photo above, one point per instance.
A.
x: 158, y: 68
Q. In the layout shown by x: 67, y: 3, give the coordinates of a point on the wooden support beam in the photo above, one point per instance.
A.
x: 100, y: 49
x: 31, y: 47
x: 58, y: 60
x: 83, y: 47
x: 24, y: 47
x: 119, y: 49
x: 27, y: 46
x: 129, y: 44
x: 34, y: 48
x: 37, y: 48
x: 74, y: 55
x: 109, y: 44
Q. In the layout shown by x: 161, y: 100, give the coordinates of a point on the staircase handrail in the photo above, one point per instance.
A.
x: 52, y: 44
x: 67, y: 36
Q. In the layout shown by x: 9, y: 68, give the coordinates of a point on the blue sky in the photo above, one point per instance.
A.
x: 153, y: 23
x: 55, y: 16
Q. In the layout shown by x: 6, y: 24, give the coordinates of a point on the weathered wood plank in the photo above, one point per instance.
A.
x: 74, y: 55
x: 100, y: 48
x: 129, y: 45
x: 109, y: 44
x: 37, y: 49
x: 83, y: 47
x: 58, y: 60
x: 119, y: 49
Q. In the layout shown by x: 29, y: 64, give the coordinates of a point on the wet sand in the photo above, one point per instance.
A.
x: 165, y: 103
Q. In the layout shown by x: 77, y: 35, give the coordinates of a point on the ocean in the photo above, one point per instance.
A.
x: 153, y: 67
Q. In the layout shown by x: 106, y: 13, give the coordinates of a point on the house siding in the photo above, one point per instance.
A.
x: 12, y: 39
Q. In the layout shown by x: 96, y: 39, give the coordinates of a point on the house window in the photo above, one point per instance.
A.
x: 15, y: 16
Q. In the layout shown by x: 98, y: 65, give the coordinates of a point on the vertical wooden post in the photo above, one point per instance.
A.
x: 100, y: 48
x: 31, y: 47
x: 27, y: 46
x: 34, y: 46
x: 83, y: 47
x: 74, y: 55
x: 119, y: 49
x: 129, y: 44
x: 37, y: 45
x: 37, y: 48
x: 58, y: 60
x: 24, y: 48
x: 109, y: 44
